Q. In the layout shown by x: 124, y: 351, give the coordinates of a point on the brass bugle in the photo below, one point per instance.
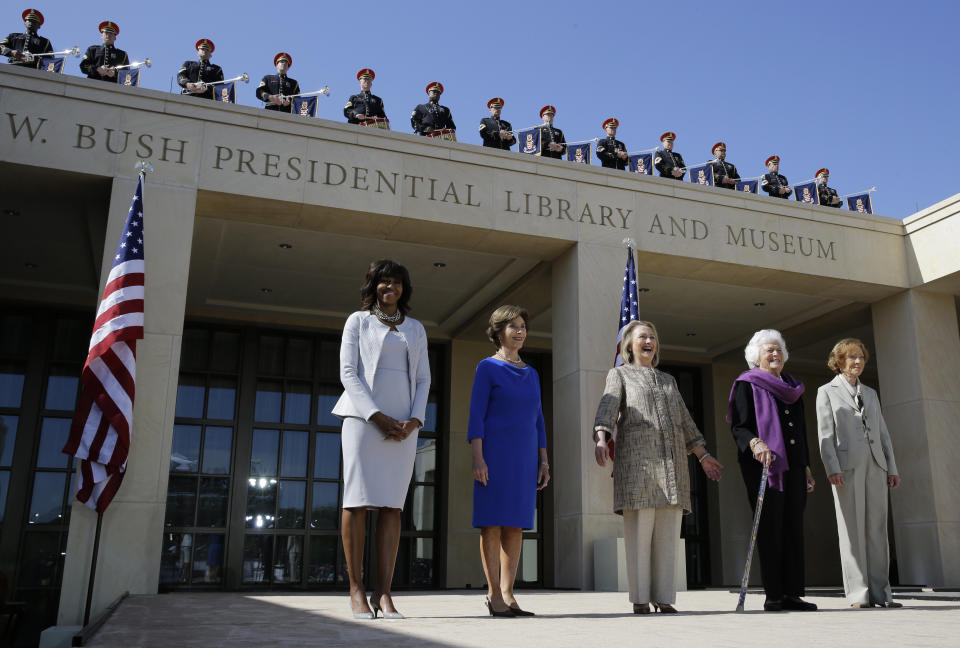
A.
x: 325, y: 91
x: 203, y: 85
x: 30, y: 57
x: 144, y: 63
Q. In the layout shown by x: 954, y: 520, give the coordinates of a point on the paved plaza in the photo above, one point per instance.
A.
x: 456, y: 618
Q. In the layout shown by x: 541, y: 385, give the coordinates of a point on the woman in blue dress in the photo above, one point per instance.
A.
x: 509, y: 444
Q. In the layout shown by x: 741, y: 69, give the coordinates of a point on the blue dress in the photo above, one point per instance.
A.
x: 505, y: 412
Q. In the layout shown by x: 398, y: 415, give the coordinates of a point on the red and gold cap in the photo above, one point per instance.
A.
x: 496, y: 102
x: 722, y: 145
x: 281, y: 56
x: 109, y: 26
x: 669, y: 135
x: 548, y: 109
x: 33, y: 15
x: 434, y: 84
x: 611, y: 122
x: 824, y: 171
x: 205, y: 43
x: 773, y: 158
x: 366, y: 73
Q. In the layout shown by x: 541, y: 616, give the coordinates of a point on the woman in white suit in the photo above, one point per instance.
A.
x: 858, y: 458
x: 386, y: 379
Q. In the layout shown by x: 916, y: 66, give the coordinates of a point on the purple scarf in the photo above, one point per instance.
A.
x: 766, y: 388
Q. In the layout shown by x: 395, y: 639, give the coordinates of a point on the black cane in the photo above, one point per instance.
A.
x: 753, y: 538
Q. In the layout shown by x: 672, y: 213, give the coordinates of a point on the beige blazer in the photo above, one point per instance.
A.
x: 842, y: 440
x: 363, y: 336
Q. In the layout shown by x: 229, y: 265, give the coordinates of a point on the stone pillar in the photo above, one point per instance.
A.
x: 918, y: 357
x: 133, y: 524
x: 586, y: 299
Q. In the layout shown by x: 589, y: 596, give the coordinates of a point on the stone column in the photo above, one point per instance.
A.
x: 133, y: 524
x: 586, y: 300
x: 918, y: 357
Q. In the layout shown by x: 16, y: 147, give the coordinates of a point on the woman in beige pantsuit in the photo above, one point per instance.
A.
x: 858, y: 458
x: 651, y: 481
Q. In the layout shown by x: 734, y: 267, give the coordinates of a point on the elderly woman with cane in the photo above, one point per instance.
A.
x: 651, y: 480
x: 858, y: 457
x: 765, y: 412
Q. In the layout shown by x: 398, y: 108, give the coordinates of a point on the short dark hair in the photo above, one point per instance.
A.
x: 500, y: 318
x: 375, y: 274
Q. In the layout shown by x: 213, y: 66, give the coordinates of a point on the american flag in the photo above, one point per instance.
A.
x: 629, y: 302
x: 100, y: 433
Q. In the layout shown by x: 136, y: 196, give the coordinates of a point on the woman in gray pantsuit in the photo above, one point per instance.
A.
x: 651, y: 480
x: 858, y: 458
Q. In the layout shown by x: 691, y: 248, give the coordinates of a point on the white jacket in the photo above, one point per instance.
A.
x: 363, y: 337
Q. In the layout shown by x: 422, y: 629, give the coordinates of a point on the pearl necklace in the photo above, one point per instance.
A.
x: 502, y: 356
x: 393, y: 319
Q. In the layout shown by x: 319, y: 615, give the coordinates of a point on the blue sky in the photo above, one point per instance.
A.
x: 867, y: 89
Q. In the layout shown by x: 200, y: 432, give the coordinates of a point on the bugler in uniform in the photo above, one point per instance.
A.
x: 668, y: 162
x: 364, y: 105
x: 552, y: 143
x: 274, y: 86
x: 431, y: 116
x: 828, y: 197
x: 495, y: 132
x: 724, y: 174
x: 15, y: 44
x: 200, y: 70
x: 99, y: 61
x: 773, y: 183
x: 611, y: 151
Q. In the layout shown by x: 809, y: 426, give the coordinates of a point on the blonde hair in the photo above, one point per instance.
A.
x: 840, y: 351
x: 629, y: 331
x: 501, y: 317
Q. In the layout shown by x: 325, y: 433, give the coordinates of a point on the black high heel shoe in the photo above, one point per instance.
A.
x: 664, y: 608
x: 504, y: 613
x: 521, y: 613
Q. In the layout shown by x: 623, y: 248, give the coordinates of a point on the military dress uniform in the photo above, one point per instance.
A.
x: 548, y: 135
x: 722, y: 168
x: 772, y: 181
x: 607, y: 150
x: 666, y: 161
x: 490, y: 128
x: 825, y: 193
x: 363, y: 103
x: 194, y: 71
x: 433, y: 115
x: 273, y: 84
x: 97, y: 55
x: 25, y: 42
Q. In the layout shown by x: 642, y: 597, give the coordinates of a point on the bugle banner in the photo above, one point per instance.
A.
x: 579, y: 153
x: 54, y: 65
x: 702, y: 175
x: 129, y: 77
x: 860, y: 203
x: 529, y: 141
x: 641, y: 163
x: 225, y: 92
x: 305, y: 106
x: 749, y: 186
x: 807, y: 193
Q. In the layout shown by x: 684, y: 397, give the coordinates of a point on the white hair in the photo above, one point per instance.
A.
x: 765, y: 336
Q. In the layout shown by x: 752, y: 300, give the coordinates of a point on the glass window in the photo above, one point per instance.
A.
x: 419, y: 512
x: 330, y: 360
x: 221, y: 397
x: 299, y: 358
x: 263, y: 455
x: 11, y: 384
x: 326, y: 456
x: 287, y: 559
x: 261, y: 503
x: 322, y: 569
x: 185, y: 452
x: 271, y: 355
x: 528, y: 561
x: 425, y: 463
x: 190, y: 397
x: 217, y: 442
x: 212, y: 509
x: 269, y: 397
x: 14, y: 335
x: 208, y: 558
x: 226, y: 351
x: 327, y: 397
x: 430, y: 425
x: 8, y: 437
x: 296, y: 407
x: 72, y: 340
x: 291, y: 501
x: 421, y: 571
x: 46, y: 505
x: 4, y: 488
x: 295, y: 454
x: 176, y: 557
x: 62, y: 386
x: 324, y: 508
x: 181, y: 501
x: 195, y: 349
x: 257, y: 558
x: 53, y: 436
x: 41, y: 560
